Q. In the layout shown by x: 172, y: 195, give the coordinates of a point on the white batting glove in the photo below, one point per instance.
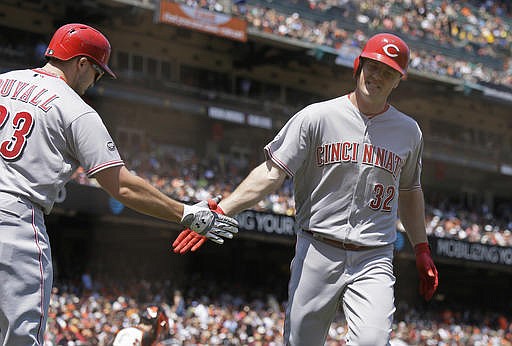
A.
x: 200, y: 219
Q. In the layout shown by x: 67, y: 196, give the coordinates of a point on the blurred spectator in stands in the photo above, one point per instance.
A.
x: 233, y: 318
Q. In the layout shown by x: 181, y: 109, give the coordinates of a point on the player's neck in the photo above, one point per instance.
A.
x: 54, y: 71
x: 369, y: 108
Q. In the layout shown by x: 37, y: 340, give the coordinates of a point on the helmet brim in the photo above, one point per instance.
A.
x: 385, y: 60
x: 109, y: 71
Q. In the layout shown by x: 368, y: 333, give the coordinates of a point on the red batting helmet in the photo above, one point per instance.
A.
x: 73, y: 40
x: 388, y: 49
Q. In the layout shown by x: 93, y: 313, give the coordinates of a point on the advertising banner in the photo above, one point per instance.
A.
x: 476, y: 252
x: 199, y: 19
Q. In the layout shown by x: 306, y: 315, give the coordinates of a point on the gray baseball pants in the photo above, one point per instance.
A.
x: 324, y: 276
x: 25, y: 272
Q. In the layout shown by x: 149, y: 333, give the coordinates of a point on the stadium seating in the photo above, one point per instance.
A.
x: 207, y: 314
x: 456, y: 32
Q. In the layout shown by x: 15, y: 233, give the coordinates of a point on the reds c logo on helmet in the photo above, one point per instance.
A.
x: 388, y: 49
x: 75, y: 39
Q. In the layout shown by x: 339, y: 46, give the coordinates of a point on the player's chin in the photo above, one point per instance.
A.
x: 79, y: 89
x: 84, y: 90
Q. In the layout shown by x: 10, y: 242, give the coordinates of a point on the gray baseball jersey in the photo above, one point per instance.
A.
x: 46, y: 131
x: 347, y: 170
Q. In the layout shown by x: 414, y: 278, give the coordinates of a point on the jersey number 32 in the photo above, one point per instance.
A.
x: 382, y: 197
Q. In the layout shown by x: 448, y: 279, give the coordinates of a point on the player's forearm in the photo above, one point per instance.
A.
x: 412, y: 215
x: 263, y: 180
x: 139, y: 195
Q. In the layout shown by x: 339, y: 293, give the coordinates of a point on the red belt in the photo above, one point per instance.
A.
x: 340, y: 244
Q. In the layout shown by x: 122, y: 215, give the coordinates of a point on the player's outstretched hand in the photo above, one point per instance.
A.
x: 187, y: 241
x: 206, y: 220
x: 427, y: 271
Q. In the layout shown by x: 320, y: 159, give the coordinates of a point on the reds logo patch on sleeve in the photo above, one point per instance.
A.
x: 111, y: 146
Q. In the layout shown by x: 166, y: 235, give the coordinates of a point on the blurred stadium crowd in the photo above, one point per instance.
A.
x: 92, y: 311
x: 180, y: 173
x: 468, y: 40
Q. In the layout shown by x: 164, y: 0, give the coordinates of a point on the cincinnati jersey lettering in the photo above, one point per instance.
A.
x: 349, y: 152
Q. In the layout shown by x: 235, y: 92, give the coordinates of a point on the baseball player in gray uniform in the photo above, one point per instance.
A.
x: 356, y: 164
x: 46, y: 132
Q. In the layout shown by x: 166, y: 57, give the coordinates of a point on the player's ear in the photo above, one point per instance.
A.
x: 395, y: 85
x: 82, y: 61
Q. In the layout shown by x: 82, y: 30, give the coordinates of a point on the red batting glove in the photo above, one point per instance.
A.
x: 427, y: 271
x: 189, y: 240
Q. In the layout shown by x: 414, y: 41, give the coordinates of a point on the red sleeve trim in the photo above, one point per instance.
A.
x: 104, y: 165
x: 278, y: 162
